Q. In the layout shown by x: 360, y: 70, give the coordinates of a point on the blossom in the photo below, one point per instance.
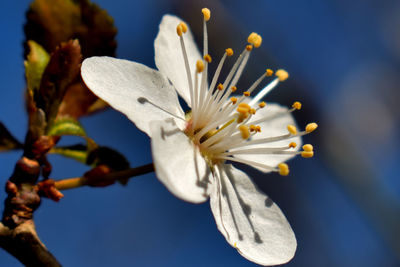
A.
x: 191, y: 151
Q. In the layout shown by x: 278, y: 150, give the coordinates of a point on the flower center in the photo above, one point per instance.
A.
x: 224, y: 127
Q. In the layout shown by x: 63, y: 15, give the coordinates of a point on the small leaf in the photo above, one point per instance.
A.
x: 35, y: 64
x: 77, y: 152
x: 7, y: 141
x: 62, y: 70
x: 50, y: 22
x: 66, y: 126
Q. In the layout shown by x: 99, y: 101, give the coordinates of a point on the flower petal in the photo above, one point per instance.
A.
x: 139, y: 92
x: 250, y: 221
x: 168, y: 55
x: 277, y: 120
x: 178, y: 164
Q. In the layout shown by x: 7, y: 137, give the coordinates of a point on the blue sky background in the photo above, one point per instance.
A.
x: 344, y: 204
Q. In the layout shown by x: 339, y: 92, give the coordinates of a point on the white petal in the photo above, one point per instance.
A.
x: 276, y: 125
x: 169, y: 58
x: 139, y: 92
x: 178, y: 164
x: 250, y: 221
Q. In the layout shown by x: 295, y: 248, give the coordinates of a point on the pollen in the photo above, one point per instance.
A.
x: 253, y: 128
x: 247, y: 93
x: 307, y: 154
x: 308, y: 147
x: 296, y: 105
x: 181, y: 28
x: 229, y: 52
x: 233, y: 100
x: 244, y: 130
x: 220, y: 87
x: 253, y: 111
x: 254, y: 39
x: 199, y: 66
x: 282, y: 75
x: 208, y: 58
x: 249, y: 47
x: 262, y: 104
x: 233, y: 89
x: 292, y: 129
x: 311, y: 127
x: 292, y: 145
x: 258, y: 129
x: 269, y: 72
x: 283, y: 169
x: 243, y: 108
x: 206, y: 13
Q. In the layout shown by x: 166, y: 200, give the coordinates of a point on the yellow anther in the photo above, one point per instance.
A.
x: 292, y: 145
x: 258, y: 129
x: 247, y: 93
x: 244, y: 130
x: 311, y: 127
x: 235, y: 245
x: 229, y: 52
x: 282, y: 75
x: 242, y: 116
x: 179, y: 29
x: 307, y: 154
x: 208, y: 58
x: 262, y: 104
x: 233, y: 89
x: 253, y: 111
x: 269, y: 72
x: 249, y: 47
x: 292, y: 129
x: 220, y: 87
x: 234, y: 100
x: 245, y: 106
x: 184, y: 27
x: 283, y: 169
x: 254, y: 39
x: 296, y: 105
x: 308, y: 147
x: 253, y: 128
x: 199, y: 66
x: 206, y: 13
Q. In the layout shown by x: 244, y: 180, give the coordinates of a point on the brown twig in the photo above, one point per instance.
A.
x: 105, y: 179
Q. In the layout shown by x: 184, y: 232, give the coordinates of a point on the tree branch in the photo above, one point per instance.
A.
x: 102, y: 180
x: 23, y: 243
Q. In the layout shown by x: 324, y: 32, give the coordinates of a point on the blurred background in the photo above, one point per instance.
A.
x: 344, y: 204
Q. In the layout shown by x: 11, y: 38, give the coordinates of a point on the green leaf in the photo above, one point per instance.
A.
x: 66, y: 126
x: 77, y: 152
x: 7, y: 141
x: 35, y: 64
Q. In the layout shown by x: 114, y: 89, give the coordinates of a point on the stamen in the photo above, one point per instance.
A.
x: 282, y: 75
x: 262, y: 104
x: 208, y: 58
x: 292, y: 145
x: 292, y: 129
x: 233, y: 100
x: 311, y: 127
x: 233, y: 89
x: 307, y: 154
x: 264, y: 91
x: 283, y: 169
x: 199, y: 66
x: 249, y: 47
x: 269, y: 72
x: 247, y: 93
x: 244, y: 130
x: 220, y: 87
x: 254, y: 39
x: 308, y: 147
x: 296, y: 105
x: 206, y: 13
x: 229, y: 52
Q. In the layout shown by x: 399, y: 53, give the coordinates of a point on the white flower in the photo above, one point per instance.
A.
x: 190, y: 151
